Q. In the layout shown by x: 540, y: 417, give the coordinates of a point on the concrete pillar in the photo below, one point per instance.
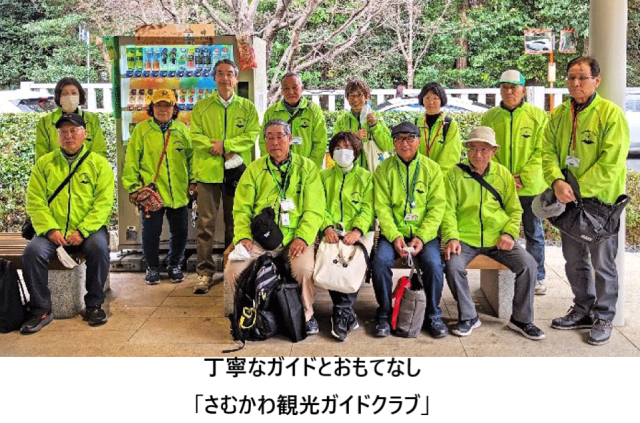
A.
x: 608, y: 45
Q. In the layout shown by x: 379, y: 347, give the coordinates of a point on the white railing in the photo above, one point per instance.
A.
x: 95, y: 92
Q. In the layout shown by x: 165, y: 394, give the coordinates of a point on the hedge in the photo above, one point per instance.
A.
x: 17, y: 135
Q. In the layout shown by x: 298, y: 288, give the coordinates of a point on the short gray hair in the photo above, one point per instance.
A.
x: 291, y: 74
x: 280, y: 122
x: 226, y: 62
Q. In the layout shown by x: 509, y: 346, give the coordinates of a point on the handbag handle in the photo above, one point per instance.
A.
x: 367, y: 257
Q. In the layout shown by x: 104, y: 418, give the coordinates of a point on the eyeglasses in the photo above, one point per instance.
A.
x: 278, y: 137
x: 355, y: 94
x: 580, y: 79
x: 407, y: 139
x: 73, y: 131
x: 482, y: 150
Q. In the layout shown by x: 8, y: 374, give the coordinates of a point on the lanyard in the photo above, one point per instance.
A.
x: 284, y: 185
x: 413, y: 184
x: 426, y: 136
x: 574, y: 127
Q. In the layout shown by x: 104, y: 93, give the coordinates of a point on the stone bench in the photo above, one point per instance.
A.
x: 67, y: 286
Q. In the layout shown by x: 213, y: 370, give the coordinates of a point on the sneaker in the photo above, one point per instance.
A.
x: 203, y: 284
x: 175, y: 274
x: 340, y: 325
x: 352, y: 321
x: 437, y: 328
x: 528, y: 330
x: 573, y: 320
x: 312, y: 326
x: 383, y: 328
x: 153, y: 277
x: 541, y: 288
x: 600, y: 332
x: 36, y: 322
x: 95, y: 315
x: 465, y: 327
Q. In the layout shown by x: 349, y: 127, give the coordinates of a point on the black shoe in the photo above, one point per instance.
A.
x: 35, y: 323
x: 175, y: 274
x: 437, y: 328
x: 95, y: 315
x: 153, y: 277
x: 528, y: 330
x: 600, y: 332
x: 340, y: 325
x: 312, y: 326
x: 352, y: 321
x: 465, y: 327
x: 383, y: 328
x: 573, y: 320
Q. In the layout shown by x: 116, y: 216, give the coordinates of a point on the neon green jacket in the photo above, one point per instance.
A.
x: 519, y: 135
x: 47, y: 134
x: 392, y: 185
x: 379, y: 132
x: 83, y: 205
x: 257, y: 189
x: 602, y: 145
x: 444, y: 152
x: 237, y: 126
x: 473, y: 215
x: 143, y: 154
x: 349, y: 198
x: 308, y: 125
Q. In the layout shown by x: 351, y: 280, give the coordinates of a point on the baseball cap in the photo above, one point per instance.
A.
x: 405, y: 128
x: 482, y: 134
x: 73, y: 118
x: 163, y: 94
x: 512, y: 76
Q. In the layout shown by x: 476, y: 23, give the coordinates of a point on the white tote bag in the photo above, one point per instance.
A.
x: 341, y: 267
x: 374, y: 155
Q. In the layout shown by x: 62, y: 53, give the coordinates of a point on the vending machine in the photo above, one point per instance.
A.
x: 180, y: 58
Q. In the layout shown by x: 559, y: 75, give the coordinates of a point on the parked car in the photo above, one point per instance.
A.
x: 539, y: 45
x: 21, y: 101
x: 410, y: 104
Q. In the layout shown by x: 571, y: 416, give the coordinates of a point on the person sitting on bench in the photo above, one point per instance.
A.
x: 483, y: 217
x: 76, y: 218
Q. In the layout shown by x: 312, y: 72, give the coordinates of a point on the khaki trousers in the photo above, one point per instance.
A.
x: 301, y: 270
x: 209, y: 198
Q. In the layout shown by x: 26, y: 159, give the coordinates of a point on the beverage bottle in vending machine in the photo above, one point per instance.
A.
x: 164, y: 61
x: 191, y: 59
x: 133, y: 97
x: 201, y: 95
x: 148, y: 61
x: 182, y: 60
x: 156, y: 61
x: 225, y: 53
x: 215, y: 56
x: 182, y: 100
x: 207, y: 62
x: 191, y: 99
x: 140, y: 99
x: 131, y: 60
x: 173, y: 62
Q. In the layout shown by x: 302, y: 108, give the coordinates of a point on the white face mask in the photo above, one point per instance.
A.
x: 69, y: 103
x: 343, y: 157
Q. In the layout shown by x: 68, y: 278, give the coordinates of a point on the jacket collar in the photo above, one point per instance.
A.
x: 280, y: 107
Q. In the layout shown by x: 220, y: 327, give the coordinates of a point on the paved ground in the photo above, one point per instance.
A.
x: 168, y: 320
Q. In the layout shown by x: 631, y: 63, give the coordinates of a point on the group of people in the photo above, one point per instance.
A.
x: 422, y: 196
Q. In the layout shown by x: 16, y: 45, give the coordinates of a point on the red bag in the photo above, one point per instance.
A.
x: 403, y: 283
x: 148, y: 198
x: 246, y: 53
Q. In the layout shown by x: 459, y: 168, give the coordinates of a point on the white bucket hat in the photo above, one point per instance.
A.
x: 482, y: 134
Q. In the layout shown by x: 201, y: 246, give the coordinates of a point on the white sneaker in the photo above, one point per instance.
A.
x: 203, y: 284
x: 541, y: 288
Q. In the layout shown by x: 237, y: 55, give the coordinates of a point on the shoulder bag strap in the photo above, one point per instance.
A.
x: 68, y: 178
x: 295, y: 115
x: 164, y: 152
x: 482, y: 182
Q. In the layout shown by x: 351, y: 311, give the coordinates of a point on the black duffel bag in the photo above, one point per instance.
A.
x: 589, y: 220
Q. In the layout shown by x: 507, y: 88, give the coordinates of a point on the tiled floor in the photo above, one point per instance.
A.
x: 168, y: 320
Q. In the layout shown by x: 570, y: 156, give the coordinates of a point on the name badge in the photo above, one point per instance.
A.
x: 284, y: 219
x: 287, y: 205
x: 573, y: 161
x: 411, y: 217
x: 296, y: 141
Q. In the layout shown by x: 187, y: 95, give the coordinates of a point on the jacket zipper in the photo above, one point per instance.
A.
x: 511, y: 142
x: 166, y: 160
x: 66, y: 229
x: 341, y: 205
x: 481, y: 223
x: 407, y: 201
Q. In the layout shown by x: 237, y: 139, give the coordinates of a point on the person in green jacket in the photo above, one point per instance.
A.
x: 75, y: 220
x: 365, y: 123
x: 68, y: 96
x: 148, y: 161
x: 589, y: 136
x: 348, y: 190
x: 409, y: 202
x: 221, y: 125
x: 439, y: 134
x: 478, y: 221
x: 290, y: 184
x: 519, y: 128
x: 306, y: 120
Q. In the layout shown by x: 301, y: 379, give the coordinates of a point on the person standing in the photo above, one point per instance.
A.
x: 519, y: 128
x: 589, y: 136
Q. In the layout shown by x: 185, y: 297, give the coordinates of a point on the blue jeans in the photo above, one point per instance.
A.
x: 178, y: 228
x: 534, y: 234
x: 428, y: 261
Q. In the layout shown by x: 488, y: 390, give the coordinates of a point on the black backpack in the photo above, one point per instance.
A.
x: 13, y: 308
x: 253, y: 316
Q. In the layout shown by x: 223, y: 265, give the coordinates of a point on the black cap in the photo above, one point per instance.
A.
x: 73, y: 118
x: 405, y: 128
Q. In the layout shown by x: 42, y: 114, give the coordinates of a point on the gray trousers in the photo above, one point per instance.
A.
x: 209, y: 198
x: 35, y: 269
x: 517, y: 260
x: 592, y: 295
